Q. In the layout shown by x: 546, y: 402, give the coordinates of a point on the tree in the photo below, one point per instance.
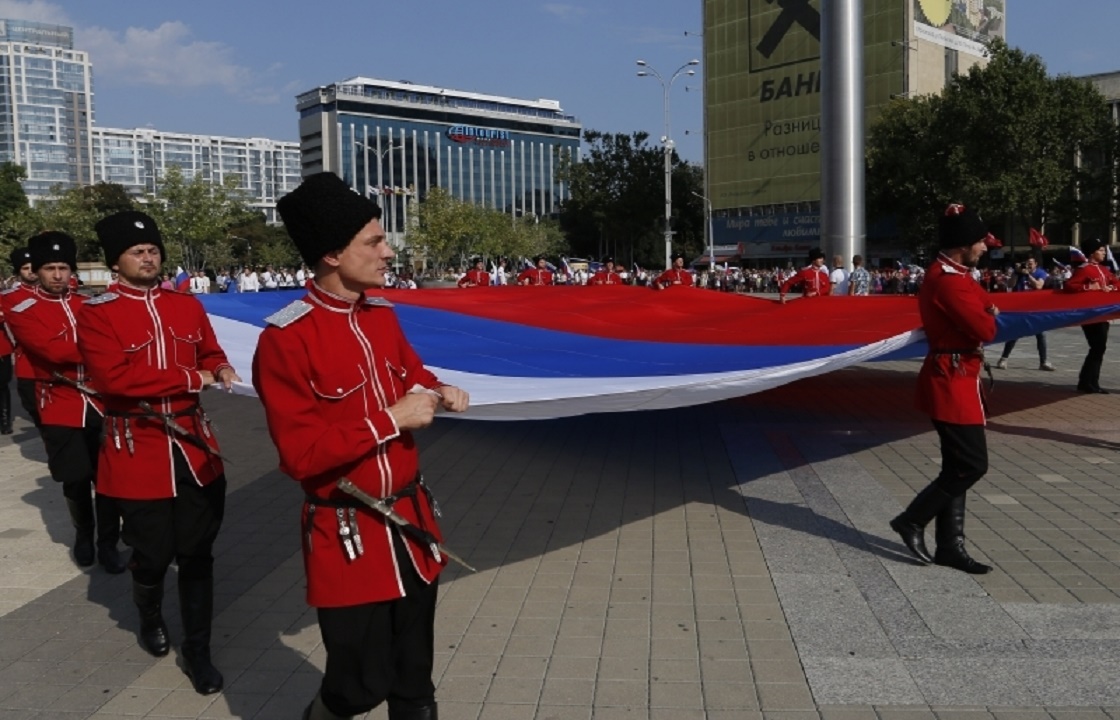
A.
x: 17, y: 221
x: 12, y: 196
x: 195, y: 216
x: 907, y: 171
x: 1002, y: 138
x: 76, y: 211
x: 617, y: 202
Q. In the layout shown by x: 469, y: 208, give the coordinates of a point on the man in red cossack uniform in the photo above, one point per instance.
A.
x: 1093, y: 276
x: 539, y: 275
x: 44, y: 323
x: 342, y: 389
x: 151, y: 352
x: 813, y: 278
x: 7, y: 347
x: 7, y: 344
x: 675, y: 275
x: 607, y: 276
x: 476, y: 276
x: 958, y: 318
x: 26, y: 282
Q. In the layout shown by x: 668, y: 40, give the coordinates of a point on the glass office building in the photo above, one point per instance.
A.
x: 46, y: 105
x: 395, y: 140
x: 266, y: 169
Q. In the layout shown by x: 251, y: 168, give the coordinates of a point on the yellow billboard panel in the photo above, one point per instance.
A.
x: 763, y: 84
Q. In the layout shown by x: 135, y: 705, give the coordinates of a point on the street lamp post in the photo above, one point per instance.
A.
x: 711, y: 234
x: 648, y: 71
x: 392, y: 219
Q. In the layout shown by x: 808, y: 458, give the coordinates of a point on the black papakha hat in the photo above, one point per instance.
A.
x: 676, y: 256
x: 323, y: 215
x: 960, y: 227
x: 19, y: 257
x: 1091, y: 246
x: 128, y: 228
x: 816, y: 254
x: 52, y: 247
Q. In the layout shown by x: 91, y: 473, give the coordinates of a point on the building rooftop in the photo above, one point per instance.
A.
x: 406, y: 92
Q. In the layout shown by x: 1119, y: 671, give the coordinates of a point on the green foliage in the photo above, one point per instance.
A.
x: 76, y: 211
x: 617, y: 202
x: 15, y: 215
x: 1001, y: 138
x: 447, y: 231
x: 12, y: 196
x: 195, y: 216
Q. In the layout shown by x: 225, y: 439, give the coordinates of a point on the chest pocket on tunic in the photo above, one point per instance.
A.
x: 396, y: 389
x: 139, y: 346
x: 186, y: 348
x: 338, y: 386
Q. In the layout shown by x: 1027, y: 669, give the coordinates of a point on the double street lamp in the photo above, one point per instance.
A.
x: 648, y: 71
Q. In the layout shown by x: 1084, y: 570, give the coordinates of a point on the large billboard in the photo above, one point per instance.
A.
x: 763, y: 84
x: 764, y: 109
x: 963, y: 25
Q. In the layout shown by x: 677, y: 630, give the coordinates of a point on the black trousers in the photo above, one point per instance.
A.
x: 1096, y: 334
x: 72, y: 455
x: 28, y: 398
x: 381, y: 651
x: 5, y: 390
x: 181, y: 529
x: 964, y: 456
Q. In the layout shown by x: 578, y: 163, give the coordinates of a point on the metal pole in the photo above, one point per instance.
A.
x: 711, y: 236
x: 842, y: 139
x: 668, y: 181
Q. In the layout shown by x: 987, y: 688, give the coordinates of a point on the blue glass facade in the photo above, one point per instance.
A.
x: 395, y: 141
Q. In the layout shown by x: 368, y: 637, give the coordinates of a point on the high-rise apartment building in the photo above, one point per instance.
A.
x: 47, y: 126
x: 46, y: 105
x: 266, y: 169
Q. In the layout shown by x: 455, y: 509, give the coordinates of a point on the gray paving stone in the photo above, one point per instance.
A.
x: 853, y: 680
x: 1089, y: 622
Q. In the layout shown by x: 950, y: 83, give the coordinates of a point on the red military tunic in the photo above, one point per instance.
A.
x: 475, y: 278
x: 7, y: 344
x: 957, y: 323
x: 45, y: 327
x: 327, y: 369
x: 1085, y: 276
x: 535, y: 277
x: 150, y: 345
x: 814, y: 282
x: 9, y: 299
x: 672, y: 276
x: 605, y: 278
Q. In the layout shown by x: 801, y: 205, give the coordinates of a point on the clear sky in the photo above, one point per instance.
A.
x: 235, y: 67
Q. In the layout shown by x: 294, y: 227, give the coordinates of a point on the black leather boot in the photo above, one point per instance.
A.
x: 911, y: 523
x: 196, y: 598
x: 81, y: 514
x: 428, y: 712
x: 153, y: 630
x: 319, y: 711
x: 108, y: 534
x: 950, y: 540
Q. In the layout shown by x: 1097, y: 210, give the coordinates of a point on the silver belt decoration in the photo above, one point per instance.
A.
x: 348, y: 532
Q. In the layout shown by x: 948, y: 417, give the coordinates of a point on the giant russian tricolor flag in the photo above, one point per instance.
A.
x: 543, y: 352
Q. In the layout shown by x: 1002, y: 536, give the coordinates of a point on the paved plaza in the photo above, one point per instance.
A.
x: 728, y: 562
